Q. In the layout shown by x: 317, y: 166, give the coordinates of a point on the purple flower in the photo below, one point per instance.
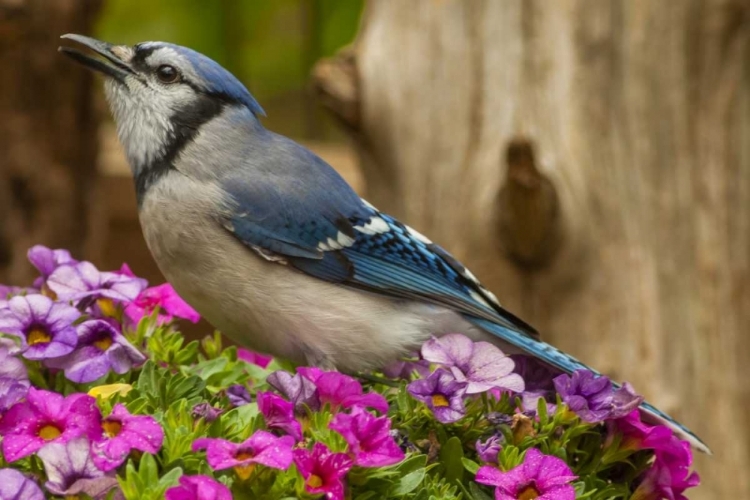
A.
x: 77, y: 281
x: 539, y: 476
x: 279, y: 414
x: 122, y: 432
x: 669, y: 475
x: 101, y: 348
x: 298, y: 389
x: 369, y: 438
x: 198, y: 488
x: 261, y: 448
x: 14, y: 380
x: 488, y: 450
x: 343, y: 391
x: 47, y: 260
x: 16, y: 486
x: 253, y: 357
x: 45, y: 327
x: 482, y: 365
x: 593, y: 399
x: 536, y: 375
x: 323, y: 470
x: 71, y: 472
x: 442, y: 393
x: 405, y: 369
x: 206, y: 412
x: 166, y: 300
x: 238, y: 395
x: 47, y: 417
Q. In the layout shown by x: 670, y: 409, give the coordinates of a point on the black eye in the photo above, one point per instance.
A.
x: 167, y: 74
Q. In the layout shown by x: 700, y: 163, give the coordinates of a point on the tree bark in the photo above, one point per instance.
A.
x: 48, y: 130
x: 633, y: 251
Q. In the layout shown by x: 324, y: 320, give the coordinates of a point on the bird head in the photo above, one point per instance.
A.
x: 160, y: 94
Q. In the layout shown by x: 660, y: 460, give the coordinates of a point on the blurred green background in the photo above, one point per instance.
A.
x: 269, y: 46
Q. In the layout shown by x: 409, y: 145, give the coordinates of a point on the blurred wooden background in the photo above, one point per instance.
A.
x: 588, y: 159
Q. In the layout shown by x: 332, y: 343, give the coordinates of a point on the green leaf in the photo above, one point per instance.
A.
x: 451, y: 455
x: 470, y: 465
x: 477, y: 493
x: 408, y: 483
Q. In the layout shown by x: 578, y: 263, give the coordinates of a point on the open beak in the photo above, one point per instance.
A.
x: 109, y: 63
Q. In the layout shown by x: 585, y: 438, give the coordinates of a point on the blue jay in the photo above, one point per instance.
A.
x: 265, y: 239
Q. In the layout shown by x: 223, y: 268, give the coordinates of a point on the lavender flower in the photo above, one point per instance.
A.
x: 369, y: 438
x: 238, y: 395
x: 279, y: 414
x: 298, y: 389
x: 44, y: 327
x: 539, y: 476
x: 206, y: 412
x: 323, y: 470
x: 261, y: 448
x: 77, y: 281
x: 198, y: 487
x: 593, y: 399
x: 442, y: 393
x: 14, y: 380
x: 47, y: 260
x: 122, y: 432
x: 480, y: 364
x: 71, y: 471
x: 47, y: 417
x: 488, y: 450
x: 101, y: 348
x: 16, y: 486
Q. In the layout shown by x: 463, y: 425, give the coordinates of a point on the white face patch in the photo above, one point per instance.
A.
x: 376, y: 225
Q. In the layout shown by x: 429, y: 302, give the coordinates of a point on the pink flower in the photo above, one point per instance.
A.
x: 669, y: 476
x: 198, y: 488
x: 540, y: 476
x: 166, y: 300
x: 343, y: 391
x: 47, y: 417
x: 261, y: 448
x: 638, y: 436
x: 279, y: 414
x: 122, y: 432
x: 369, y: 438
x: 323, y: 470
x: 253, y: 357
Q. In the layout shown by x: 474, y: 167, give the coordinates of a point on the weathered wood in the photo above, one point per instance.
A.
x: 640, y: 112
x: 47, y: 134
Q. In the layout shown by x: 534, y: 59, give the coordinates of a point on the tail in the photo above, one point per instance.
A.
x: 568, y: 364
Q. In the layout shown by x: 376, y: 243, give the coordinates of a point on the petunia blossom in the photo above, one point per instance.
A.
x: 238, y: 395
x: 488, y: 450
x: 261, y: 448
x: 299, y: 390
x: 45, y: 327
x: 46, y: 260
x: 81, y: 280
x: 593, y: 397
x: 101, y: 348
x: 481, y: 365
x: 72, y: 473
x: 404, y: 369
x: 165, y: 299
x: 669, y: 475
x: 120, y: 433
x: 637, y: 435
x: 323, y: 470
x: 14, y: 379
x: 442, y: 393
x: 198, y: 487
x: 536, y: 375
x: 47, y: 417
x: 279, y: 414
x: 343, y: 391
x: 207, y: 412
x: 16, y: 486
x: 538, y: 476
x: 253, y: 357
x: 369, y: 438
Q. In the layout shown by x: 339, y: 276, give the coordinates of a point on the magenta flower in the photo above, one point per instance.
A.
x: 323, y: 470
x: 198, y: 488
x: 442, y: 394
x: 101, y: 348
x: 279, y: 414
x: 77, y: 281
x: 489, y: 449
x: 539, y: 476
x: 343, y: 391
x: 592, y: 397
x: 238, y: 395
x: 637, y: 435
x: 47, y: 417
x: 253, y: 357
x: 121, y: 432
x: 298, y: 389
x: 670, y: 475
x: 261, y: 448
x: 369, y: 438
x: 481, y: 365
x: 164, y: 298
x: 16, y: 486
x: 71, y: 472
x: 45, y: 327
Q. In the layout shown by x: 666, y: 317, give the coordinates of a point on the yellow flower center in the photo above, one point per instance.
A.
x: 528, y: 493
x: 107, y: 307
x: 244, y: 471
x: 440, y: 400
x: 111, y: 428
x: 103, y: 343
x: 314, y: 481
x: 49, y: 432
x: 38, y: 335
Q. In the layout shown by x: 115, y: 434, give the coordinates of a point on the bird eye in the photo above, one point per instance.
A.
x: 167, y: 74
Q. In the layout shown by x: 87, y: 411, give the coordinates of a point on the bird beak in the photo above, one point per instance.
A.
x: 110, y: 63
